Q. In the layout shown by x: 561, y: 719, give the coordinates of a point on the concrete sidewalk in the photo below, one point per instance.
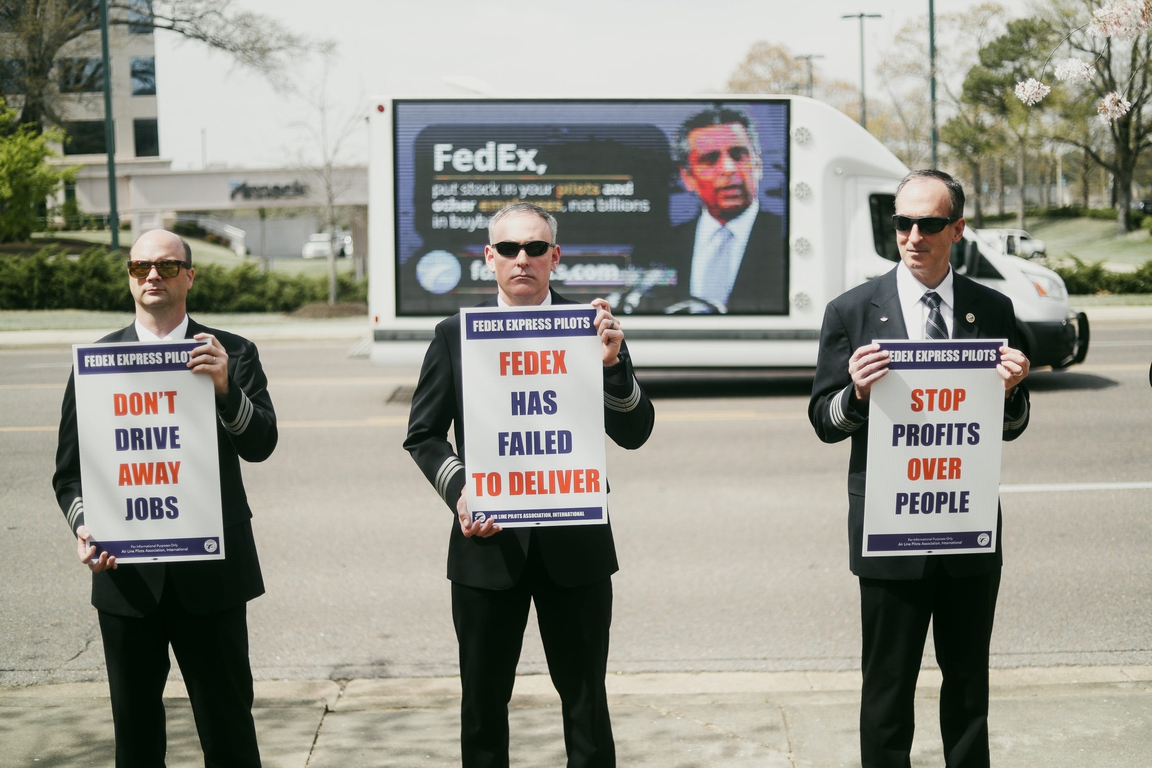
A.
x: 1081, y: 716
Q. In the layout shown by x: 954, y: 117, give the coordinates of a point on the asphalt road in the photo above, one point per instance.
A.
x: 730, y: 526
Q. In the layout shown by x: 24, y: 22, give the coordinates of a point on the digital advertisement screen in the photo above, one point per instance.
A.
x: 662, y: 207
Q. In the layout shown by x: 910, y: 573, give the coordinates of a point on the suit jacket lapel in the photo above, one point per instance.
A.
x: 886, y: 318
x: 966, y: 314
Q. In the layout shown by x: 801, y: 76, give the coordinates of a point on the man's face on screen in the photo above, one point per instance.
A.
x: 723, y: 169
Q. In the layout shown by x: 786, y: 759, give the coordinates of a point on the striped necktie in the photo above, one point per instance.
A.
x: 935, y: 327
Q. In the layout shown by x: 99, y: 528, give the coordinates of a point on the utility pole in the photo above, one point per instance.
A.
x: 808, y: 60
x: 861, y: 17
x: 932, y: 81
x: 109, y: 128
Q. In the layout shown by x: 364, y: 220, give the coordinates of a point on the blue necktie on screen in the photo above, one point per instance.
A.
x: 717, y: 275
x: 935, y: 327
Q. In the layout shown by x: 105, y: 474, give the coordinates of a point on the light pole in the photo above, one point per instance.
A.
x: 861, y: 17
x: 109, y: 128
x: 808, y: 60
x: 932, y: 75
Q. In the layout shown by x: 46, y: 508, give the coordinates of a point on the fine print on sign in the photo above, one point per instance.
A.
x: 935, y: 424
x: 534, y: 415
x: 148, y: 452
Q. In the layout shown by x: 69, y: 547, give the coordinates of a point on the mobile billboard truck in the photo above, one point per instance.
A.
x: 817, y: 221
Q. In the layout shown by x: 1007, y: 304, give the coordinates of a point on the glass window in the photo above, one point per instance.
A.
x: 80, y: 75
x: 883, y: 233
x: 85, y: 137
x: 147, y: 135
x: 140, y: 17
x: 11, y: 77
x: 143, y: 75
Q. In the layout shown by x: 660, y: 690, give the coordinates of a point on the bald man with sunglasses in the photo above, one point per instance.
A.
x: 565, y: 570
x: 922, y: 298
x: 197, y: 608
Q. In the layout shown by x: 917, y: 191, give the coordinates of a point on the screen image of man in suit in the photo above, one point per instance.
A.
x: 922, y: 298
x: 729, y: 259
x: 565, y: 570
x: 199, y: 608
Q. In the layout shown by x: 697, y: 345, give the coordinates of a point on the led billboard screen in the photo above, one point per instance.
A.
x: 663, y: 207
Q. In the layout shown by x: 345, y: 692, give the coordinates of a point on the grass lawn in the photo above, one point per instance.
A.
x: 1091, y: 240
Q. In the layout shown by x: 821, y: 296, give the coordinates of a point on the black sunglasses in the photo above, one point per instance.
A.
x: 532, y: 248
x: 163, y: 268
x: 929, y: 225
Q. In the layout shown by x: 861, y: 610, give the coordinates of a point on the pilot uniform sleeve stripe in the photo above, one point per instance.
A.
x: 243, y: 416
x: 75, y: 511
x: 444, y: 475
x: 1018, y: 422
x: 624, y: 404
x: 838, y: 414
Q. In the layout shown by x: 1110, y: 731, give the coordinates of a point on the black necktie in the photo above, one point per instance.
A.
x: 935, y: 327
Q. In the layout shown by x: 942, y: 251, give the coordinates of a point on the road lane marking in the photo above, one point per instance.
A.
x: 1060, y: 487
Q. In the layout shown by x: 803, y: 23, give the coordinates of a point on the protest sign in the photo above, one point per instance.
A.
x: 533, y: 383
x: 148, y: 452
x: 935, y: 424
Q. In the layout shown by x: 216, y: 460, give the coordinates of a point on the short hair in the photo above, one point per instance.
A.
x: 187, y: 251
x: 718, y: 114
x: 515, y: 209
x: 955, y: 191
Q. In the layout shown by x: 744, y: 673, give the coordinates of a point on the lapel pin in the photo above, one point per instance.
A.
x: 883, y: 319
x: 970, y: 317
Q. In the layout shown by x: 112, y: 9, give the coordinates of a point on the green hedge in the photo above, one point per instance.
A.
x: 97, y: 280
x: 1093, y: 278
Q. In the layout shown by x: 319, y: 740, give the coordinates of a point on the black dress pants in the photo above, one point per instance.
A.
x: 212, y: 652
x: 895, y: 617
x: 574, y: 624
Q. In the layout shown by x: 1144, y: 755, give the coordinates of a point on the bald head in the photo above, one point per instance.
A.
x: 158, y: 244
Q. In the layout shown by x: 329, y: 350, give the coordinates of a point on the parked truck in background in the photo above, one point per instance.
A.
x: 607, y: 169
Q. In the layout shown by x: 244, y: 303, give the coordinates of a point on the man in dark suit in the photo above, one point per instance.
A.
x: 199, y: 608
x: 920, y: 299
x: 496, y: 574
x: 730, y: 259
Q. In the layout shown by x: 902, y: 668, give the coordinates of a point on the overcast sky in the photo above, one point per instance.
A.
x: 512, y: 48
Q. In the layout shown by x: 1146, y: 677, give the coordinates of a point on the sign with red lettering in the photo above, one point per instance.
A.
x: 148, y: 454
x: 534, y: 415
x: 935, y: 425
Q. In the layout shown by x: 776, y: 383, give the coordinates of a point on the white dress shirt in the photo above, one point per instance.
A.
x: 911, y: 292
x: 176, y: 334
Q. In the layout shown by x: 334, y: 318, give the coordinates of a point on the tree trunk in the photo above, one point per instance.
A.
x: 1086, y: 179
x: 977, y: 188
x: 1020, y: 183
x: 1000, y: 185
x: 1122, y: 187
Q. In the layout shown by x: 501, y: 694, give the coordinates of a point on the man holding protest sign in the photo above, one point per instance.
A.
x: 921, y: 299
x: 199, y: 607
x: 496, y: 574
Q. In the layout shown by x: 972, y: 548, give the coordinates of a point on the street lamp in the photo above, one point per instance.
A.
x: 932, y: 74
x: 861, y: 17
x: 808, y: 59
x: 109, y: 128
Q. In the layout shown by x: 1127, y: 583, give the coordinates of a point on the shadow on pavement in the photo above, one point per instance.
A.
x: 1067, y: 381
x: 673, y: 384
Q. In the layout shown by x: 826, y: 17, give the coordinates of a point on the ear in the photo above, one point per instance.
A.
x: 490, y: 258
x: 555, y: 258
x: 959, y: 233
x: 687, y: 180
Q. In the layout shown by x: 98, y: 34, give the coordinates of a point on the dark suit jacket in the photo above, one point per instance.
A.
x: 854, y: 319
x: 245, y: 428
x: 761, y: 285
x: 573, y: 555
